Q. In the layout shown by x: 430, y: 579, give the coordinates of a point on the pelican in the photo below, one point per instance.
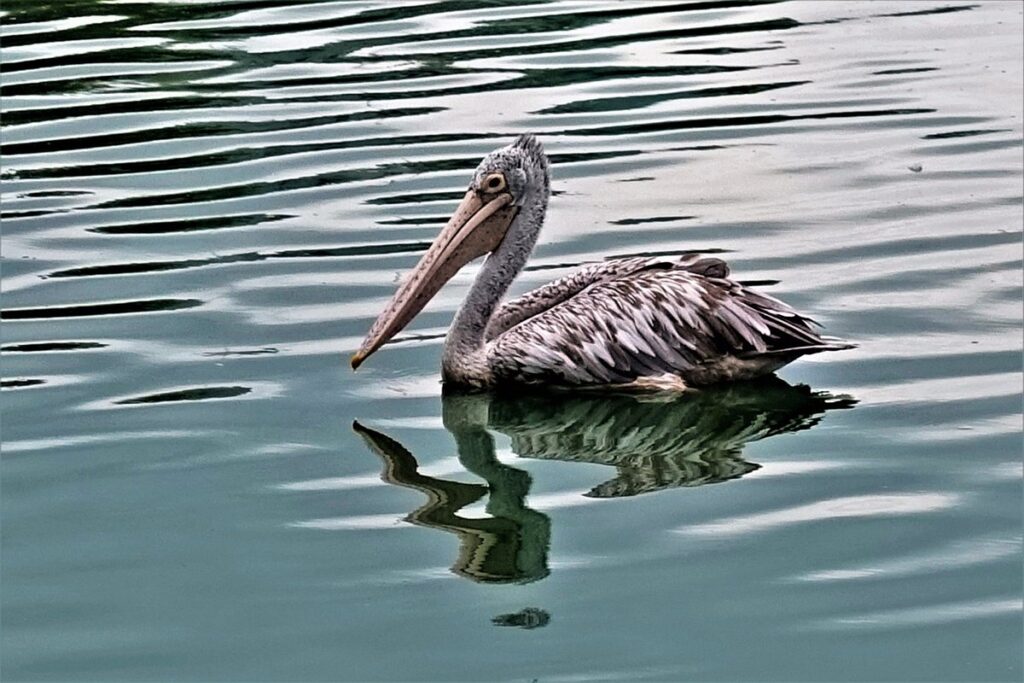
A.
x: 627, y: 322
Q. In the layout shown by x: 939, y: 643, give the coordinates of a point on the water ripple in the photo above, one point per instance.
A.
x: 950, y: 557
x: 111, y: 308
x: 930, y: 615
x: 838, y: 508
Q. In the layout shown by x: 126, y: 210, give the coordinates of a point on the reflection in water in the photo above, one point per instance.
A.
x: 528, y: 618
x: 655, y: 441
x: 659, y: 441
x: 510, y: 546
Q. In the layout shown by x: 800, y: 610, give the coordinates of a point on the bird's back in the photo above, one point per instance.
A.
x: 683, y: 322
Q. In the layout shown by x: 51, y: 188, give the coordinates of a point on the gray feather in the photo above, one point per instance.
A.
x: 629, y: 319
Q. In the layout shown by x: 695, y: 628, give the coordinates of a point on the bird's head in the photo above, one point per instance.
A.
x: 519, y: 169
x: 508, y: 181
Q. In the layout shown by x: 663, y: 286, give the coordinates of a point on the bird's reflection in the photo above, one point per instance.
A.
x: 510, y: 546
x: 654, y: 441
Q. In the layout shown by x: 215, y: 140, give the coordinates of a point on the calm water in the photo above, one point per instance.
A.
x: 206, y: 204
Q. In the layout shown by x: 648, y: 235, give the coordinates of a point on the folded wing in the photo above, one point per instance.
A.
x: 651, y: 318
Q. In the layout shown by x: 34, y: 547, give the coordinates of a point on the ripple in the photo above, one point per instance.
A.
x: 69, y: 51
x: 964, y: 133
x: 44, y: 29
x: 203, y: 129
x: 21, y: 383
x: 241, y: 352
x: 43, y: 347
x: 956, y: 555
x: 334, y: 483
x: 158, y: 266
x: 104, y: 309
x: 930, y: 615
x: 111, y: 437
x: 639, y: 102
x: 838, y: 508
x: 477, y: 47
x: 190, y: 394
x: 189, y: 225
x: 651, y: 219
x: 930, y: 10
x: 356, y: 523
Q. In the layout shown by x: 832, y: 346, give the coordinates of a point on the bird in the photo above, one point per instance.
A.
x: 624, y: 323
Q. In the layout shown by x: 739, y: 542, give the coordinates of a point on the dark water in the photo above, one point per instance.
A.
x: 204, y: 205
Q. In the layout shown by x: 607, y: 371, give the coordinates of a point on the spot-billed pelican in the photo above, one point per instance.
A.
x: 640, y: 322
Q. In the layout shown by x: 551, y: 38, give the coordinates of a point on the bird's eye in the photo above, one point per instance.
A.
x: 495, y: 182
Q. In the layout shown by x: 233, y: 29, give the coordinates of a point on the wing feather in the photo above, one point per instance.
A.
x: 620, y: 321
x: 541, y: 299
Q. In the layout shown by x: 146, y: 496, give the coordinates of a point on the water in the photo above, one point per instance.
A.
x: 206, y: 204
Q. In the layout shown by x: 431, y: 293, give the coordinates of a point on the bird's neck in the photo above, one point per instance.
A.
x: 464, y: 360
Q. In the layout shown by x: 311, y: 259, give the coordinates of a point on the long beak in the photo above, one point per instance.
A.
x: 476, y: 228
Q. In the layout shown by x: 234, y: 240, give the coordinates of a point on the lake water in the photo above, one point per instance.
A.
x: 205, y: 205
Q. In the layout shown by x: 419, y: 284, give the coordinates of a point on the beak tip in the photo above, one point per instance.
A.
x: 356, y: 360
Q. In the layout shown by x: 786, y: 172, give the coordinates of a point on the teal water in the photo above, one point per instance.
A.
x: 205, y: 205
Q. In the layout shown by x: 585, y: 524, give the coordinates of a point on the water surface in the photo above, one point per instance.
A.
x: 205, y: 205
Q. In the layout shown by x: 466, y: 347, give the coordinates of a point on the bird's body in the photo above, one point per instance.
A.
x: 628, y: 322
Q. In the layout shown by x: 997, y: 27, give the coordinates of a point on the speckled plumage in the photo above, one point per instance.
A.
x: 647, y: 318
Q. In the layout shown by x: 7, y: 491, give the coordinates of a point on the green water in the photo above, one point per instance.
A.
x: 205, y: 205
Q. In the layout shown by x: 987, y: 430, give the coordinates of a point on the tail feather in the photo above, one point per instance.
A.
x: 831, y: 344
